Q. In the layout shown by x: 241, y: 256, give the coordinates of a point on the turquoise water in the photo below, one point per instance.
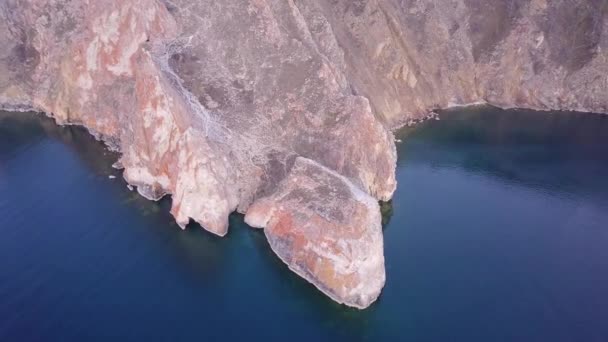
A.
x: 498, y: 232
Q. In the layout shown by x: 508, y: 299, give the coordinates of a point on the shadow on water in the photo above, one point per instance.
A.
x: 347, y: 322
x: 555, y: 150
x: 192, y: 247
x: 197, y: 255
x: 22, y: 129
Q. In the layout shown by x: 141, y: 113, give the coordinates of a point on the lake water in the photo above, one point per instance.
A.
x: 498, y: 232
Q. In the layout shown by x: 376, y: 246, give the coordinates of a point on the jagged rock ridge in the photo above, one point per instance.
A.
x: 268, y: 107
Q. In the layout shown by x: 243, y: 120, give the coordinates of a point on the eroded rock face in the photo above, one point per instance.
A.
x: 214, y: 102
x: 327, y: 231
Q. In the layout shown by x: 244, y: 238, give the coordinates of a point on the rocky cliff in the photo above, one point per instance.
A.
x: 282, y: 109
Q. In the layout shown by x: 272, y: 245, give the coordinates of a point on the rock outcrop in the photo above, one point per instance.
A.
x: 260, y: 106
x: 327, y: 230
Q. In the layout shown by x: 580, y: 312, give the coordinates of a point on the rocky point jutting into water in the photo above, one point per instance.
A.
x: 282, y: 109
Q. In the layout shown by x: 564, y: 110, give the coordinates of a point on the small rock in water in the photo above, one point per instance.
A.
x: 130, y: 187
x: 111, y: 176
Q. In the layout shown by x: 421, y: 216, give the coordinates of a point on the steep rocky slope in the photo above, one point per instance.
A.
x: 282, y: 109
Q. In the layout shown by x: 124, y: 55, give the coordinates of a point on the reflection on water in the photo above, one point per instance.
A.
x: 559, y: 151
x: 497, y: 232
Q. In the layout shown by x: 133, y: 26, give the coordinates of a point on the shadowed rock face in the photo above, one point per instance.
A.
x: 214, y: 102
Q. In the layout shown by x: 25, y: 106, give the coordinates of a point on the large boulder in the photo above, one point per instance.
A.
x: 326, y: 230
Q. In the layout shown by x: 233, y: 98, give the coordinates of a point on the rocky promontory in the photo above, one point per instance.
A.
x: 283, y: 109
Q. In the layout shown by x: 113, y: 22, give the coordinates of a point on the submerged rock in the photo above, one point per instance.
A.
x: 326, y: 230
x: 213, y: 102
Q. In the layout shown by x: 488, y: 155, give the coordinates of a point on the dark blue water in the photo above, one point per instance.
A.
x: 498, y: 232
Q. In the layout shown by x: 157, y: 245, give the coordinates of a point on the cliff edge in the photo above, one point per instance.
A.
x: 282, y: 109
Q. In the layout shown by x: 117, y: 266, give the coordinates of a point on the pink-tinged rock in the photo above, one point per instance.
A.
x: 327, y: 231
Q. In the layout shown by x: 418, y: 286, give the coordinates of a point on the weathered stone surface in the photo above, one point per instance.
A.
x: 326, y: 230
x: 411, y: 56
x: 214, y: 101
